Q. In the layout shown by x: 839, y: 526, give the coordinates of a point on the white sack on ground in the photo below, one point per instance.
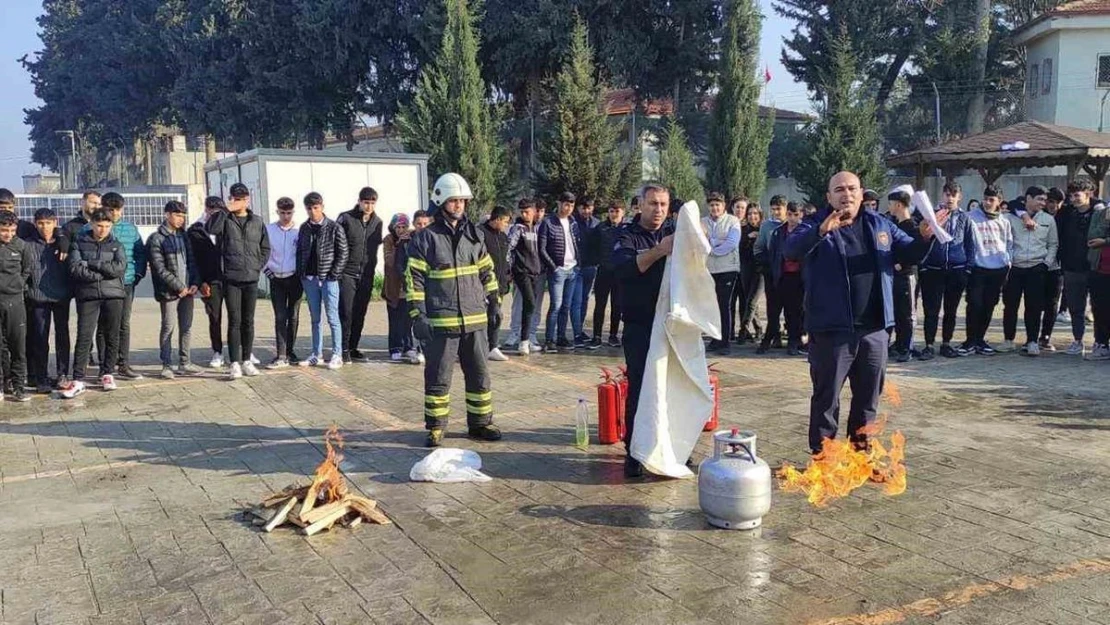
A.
x: 675, y: 401
x: 448, y: 464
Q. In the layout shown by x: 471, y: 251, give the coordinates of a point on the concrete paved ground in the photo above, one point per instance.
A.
x: 123, y: 508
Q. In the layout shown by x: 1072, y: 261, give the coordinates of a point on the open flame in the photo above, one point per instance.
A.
x: 328, y: 483
x: 841, y: 468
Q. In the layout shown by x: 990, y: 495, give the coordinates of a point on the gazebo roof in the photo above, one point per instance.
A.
x: 1049, y: 145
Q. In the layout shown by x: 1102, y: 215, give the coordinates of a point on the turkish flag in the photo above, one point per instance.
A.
x: 766, y: 74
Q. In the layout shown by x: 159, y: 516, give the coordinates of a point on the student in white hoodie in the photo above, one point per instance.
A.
x: 991, y: 242
x: 285, y: 287
x: 723, y: 232
x: 1034, y: 253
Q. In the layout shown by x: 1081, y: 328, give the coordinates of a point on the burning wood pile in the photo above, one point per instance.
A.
x: 321, y: 504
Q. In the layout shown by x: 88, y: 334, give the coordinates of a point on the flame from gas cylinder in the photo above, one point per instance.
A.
x: 328, y: 481
x: 840, y: 468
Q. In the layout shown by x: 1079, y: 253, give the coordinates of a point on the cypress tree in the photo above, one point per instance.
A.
x: 582, y: 153
x: 451, y: 119
x: 676, y: 164
x: 739, y: 141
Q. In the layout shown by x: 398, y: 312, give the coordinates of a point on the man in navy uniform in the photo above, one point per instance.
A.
x: 639, y: 256
x: 848, y: 255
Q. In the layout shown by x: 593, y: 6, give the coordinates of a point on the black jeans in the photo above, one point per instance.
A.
x: 13, y: 337
x: 860, y: 358
x: 774, y: 310
x: 1076, y: 289
x: 493, y: 322
x: 607, y: 291
x: 354, y: 299
x: 124, y: 332
x: 636, y: 339
x: 1053, y: 289
x: 984, y: 288
x: 92, y: 316
x: 941, y: 289
x: 38, y: 356
x: 527, y: 288
x: 214, y: 309
x: 400, y: 327
x: 285, y: 296
x: 241, y: 298
x: 904, y: 317
x: 1027, y: 284
x: 791, y: 294
x: 1099, y: 284
x: 751, y: 285
x: 725, y: 285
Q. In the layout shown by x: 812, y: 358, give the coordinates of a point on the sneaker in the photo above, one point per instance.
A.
x: 435, y: 437
x: 488, y: 433
x: 793, y: 351
x: 524, y: 349
x: 72, y: 389
x: 217, y: 361
x: 236, y: 371
x: 278, y: 363
x: 357, y: 356
x: 762, y: 349
x: 1007, y: 347
x: 294, y: 359
x: 948, y: 351
x: 108, y: 383
x: 1032, y: 349
x: 347, y: 358
x: 126, y: 372
x: 1046, y: 345
x: 985, y: 349
x: 167, y: 373
x: 420, y: 358
x: 63, y: 382
x: 336, y: 362
x: 614, y: 342
x: 254, y: 361
x: 20, y: 395
x: 1075, y: 349
x: 496, y: 355
x: 249, y: 369
x: 581, y: 341
x: 312, y: 361
x: 903, y: 356
x: 595, y: 343
x: 396, y: 357
x: 1063, y: 317
x: 43, y: 388
x: 510, y: 346
x: 534, y: 347
x: 564, y: 346
x: 927, y: 354
x: 550, y: 347
x: 1098, y: 352
x: 412, y: 356
x: 187, y: 368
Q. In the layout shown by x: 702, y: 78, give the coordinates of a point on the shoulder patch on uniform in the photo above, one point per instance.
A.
x: 884, y: 239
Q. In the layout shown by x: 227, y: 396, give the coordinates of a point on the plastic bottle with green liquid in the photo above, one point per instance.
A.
x: 582, y: 425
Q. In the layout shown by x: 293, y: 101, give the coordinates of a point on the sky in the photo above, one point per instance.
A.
x: 21, y: 37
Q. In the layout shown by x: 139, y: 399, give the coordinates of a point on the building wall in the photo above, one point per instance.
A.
x: 1074, y: 98
x: 1043, y: 52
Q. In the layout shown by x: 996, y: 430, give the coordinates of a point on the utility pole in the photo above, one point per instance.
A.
x: 936, y: 110
x: 1102, y: 110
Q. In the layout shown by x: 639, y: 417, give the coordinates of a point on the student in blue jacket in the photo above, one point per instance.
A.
x: 848, y: 256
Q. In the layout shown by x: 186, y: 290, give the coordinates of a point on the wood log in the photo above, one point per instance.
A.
x: 309, y: 500
x: 328, y: 520
x: 350, y: 522
x: 320, y: 512
x: 281, y: 496
x: 281, y: 514
x: 295, y: 520
x: 368, y: 508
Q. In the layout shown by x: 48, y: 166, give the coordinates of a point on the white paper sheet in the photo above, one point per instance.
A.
x: 923, y: 205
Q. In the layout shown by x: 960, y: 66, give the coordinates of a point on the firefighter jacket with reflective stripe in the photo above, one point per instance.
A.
x: 449, y: 276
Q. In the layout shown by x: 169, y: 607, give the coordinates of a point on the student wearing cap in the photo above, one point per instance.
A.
x: 1033, y: 252
x: 176, y: 280
x: 870, y: 200
x: 48, y: 302
x: 990, y: 253
x: 285, y: 285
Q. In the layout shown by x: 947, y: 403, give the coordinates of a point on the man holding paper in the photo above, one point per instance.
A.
x: 848, y: 256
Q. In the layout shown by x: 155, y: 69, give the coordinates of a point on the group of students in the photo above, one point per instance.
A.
x: 97, y: 258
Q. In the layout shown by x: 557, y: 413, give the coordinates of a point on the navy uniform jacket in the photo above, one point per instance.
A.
x: 825, y: 268
x: 639, y: 291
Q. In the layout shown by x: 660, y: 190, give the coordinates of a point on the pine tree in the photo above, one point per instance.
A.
x: 582, y: 151
x: 451, y: 119
x: 738, y: 139
x: 847, y: 136
x: 676, y: 164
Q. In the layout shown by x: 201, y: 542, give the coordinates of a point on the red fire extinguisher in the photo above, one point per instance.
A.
x: 715, y: 388
x: 610, y: 406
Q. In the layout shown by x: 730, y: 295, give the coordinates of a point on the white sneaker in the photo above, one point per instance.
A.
x: 420, y: 358
x: 414, y: 357
x: 75, y: 388
x: 496, y: 355
x: 217, y: 361
x: 167, y: 373
x: 255, y: 361
x: 236, y: 371
x: 1099, y: 352
x: 249, y: 369
x: 524, y: 349
x: 108, y: 383
x: 312, y: 361
x: 1032, y: 349
x: 534, y: 347
x: 336, y: 362
x: 1063, y: 317
x: 1075, y: 349
x: 1090, y: 316
x: 1007, y: 346
x: 396, y: 357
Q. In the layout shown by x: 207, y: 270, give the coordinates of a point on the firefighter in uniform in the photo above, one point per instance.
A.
x: 449, y: 281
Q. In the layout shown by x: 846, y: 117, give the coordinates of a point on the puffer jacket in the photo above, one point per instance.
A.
x: 15, y: 267
x: 497, y: 244
x: 524, y: 250
x: 172, y: 267
x: 96, y: 268
x: 363, y: 240
x: 331, y: 250
x: 128, y: 236
x: 1099, y: 229
x: 585, y: 232
x: 206, y: 253
x: 449, y: 276
x: 244, y: 249
x: 602, y: 241
x: 552, y: 242
x: 49, y: 274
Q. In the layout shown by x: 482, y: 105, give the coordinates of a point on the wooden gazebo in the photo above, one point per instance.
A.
x: 1049, y: 146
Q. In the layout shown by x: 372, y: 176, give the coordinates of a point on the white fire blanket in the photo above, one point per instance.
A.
x: 676, y: 400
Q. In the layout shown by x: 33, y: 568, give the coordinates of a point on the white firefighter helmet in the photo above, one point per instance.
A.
x: 449, y: 186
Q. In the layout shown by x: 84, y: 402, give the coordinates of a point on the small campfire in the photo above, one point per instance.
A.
x: 841, y: 468
x: 321, y: 504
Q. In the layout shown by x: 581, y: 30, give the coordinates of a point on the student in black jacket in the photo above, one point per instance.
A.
x: 96, y: 264
x: 497, y: 244
x: 606, y: 286
x: 321, y: 258
x: 211, y: 277
x: 15, y: 269
x: 48, y: 301
x: 363, y: 230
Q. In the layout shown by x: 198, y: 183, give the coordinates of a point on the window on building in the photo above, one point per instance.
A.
x: 1046, y: 77
x: 1034, y: 80
x: 1103, y: 77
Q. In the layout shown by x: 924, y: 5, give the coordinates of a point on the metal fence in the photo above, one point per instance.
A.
x: 141, y: 209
